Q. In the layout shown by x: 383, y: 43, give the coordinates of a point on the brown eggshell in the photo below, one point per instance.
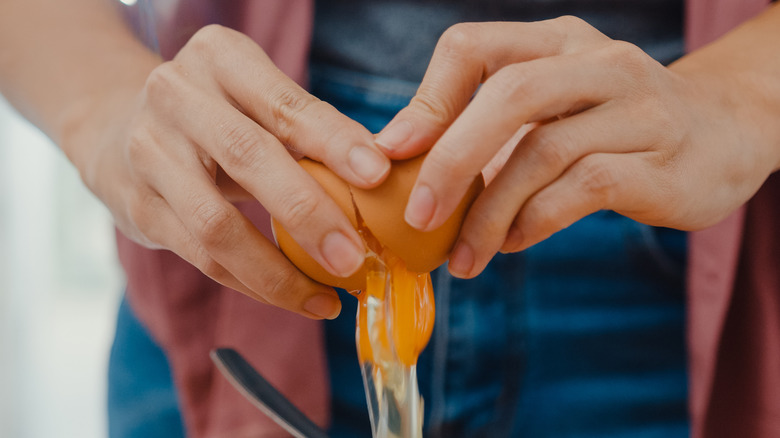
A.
x: 382, y: 209
x: 339, y: 191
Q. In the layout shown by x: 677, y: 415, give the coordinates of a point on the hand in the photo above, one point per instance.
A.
x: 213, y: 126
x: 613, y: 129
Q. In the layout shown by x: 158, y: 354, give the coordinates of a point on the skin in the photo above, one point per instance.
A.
x: 168, y: 146
x: 608, y: 128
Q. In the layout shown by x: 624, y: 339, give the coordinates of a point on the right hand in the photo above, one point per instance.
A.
x: 214, y: 126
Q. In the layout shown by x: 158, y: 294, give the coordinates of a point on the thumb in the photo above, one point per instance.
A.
x: 452, y: 78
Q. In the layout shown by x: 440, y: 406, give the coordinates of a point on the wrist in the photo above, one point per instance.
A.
x: 92, y: 123
x: 97, y: 115
x: 740, y: 70
x: 739, y: 103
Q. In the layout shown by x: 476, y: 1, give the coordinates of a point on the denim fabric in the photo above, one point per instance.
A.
x: 581, y: 335
x: 142, y: 401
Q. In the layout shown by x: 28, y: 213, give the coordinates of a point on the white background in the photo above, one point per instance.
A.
x: 59, y: 289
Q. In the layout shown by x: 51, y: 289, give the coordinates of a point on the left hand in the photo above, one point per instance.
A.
x: 613, y: 130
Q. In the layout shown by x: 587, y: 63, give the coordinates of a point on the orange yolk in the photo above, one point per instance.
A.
x: 406, y: 319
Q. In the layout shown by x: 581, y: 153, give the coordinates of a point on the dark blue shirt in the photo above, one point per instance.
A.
x: 396, y: 38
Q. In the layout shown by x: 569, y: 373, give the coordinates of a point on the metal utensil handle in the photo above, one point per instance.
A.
x: 263, y: 395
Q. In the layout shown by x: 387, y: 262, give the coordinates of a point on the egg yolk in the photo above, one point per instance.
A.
x: 395, y: 319
x: 403, y: 327
x: 395, y: 329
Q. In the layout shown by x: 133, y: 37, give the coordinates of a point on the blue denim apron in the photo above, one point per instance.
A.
x: 581, y: 335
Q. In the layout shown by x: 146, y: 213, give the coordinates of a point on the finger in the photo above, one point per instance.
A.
x: 150, y: 220
x: 178, y: 173
x: 465, y: 56
x: 518, y: 94
x: 162, y: 229
x: 541, y: 157
x: 299, y: 120
x: 259, y: 163
x: 223, y: 243
x: 491, y: 170
x: 596, y: 182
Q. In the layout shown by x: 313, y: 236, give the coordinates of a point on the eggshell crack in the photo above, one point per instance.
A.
x: 382, y: 211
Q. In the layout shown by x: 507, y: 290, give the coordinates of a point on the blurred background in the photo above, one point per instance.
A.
x: 60, y: 285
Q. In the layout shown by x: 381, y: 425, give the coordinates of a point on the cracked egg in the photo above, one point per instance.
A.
x: 382, y: 211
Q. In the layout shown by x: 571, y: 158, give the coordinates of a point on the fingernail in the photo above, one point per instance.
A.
x: 514, y: 238
x: 420, y: 209
x: 395, y: 134
x: 462, y: 260
x: 343, y: 256
x: 369, y: 164
x: 323, y: 305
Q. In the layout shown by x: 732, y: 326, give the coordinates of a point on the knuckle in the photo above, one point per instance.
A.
x: 542, y: 217
x: 572, y: 22
x: 161, y: 81
x: 212, y: 223
x: 630, y: 58
x: 207, y: 265
x: 628, y: 52
x: 141, y: 150
x: 137, y: 149
x: 278, y: 283
x: 192, y: 251
x: 298, y: 208
x: 207, y: 38
x: 440, y: 110
x: 460, y: 39
x: 164, y: 89
x: 597, y: 178
x: 574, y: 27
x: 486, y: 224
x: 513, y: 82
x: 574, y: 32
x: 455, y: 162
x: 540, y: 213
x: 333, y: 144
x: 140, y: 212
x: 288, y: 103
x: 240, y: 145
x: 551, y: 149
